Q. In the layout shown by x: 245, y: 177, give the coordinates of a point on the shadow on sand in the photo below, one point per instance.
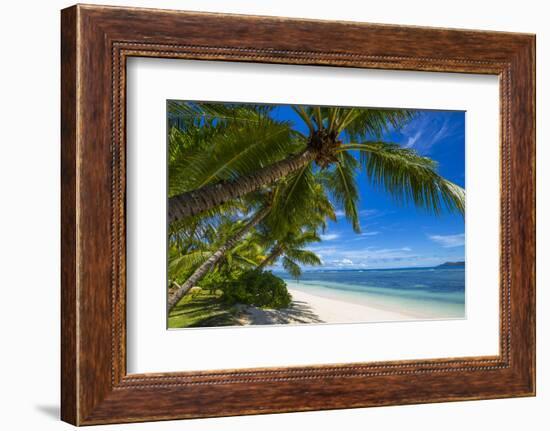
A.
x: 298, y: 312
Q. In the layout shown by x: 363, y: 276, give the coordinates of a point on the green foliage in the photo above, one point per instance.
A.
x: 188, y: 250
x: 409, y: 177
x: 217, y: 279
x: 181, y: 264
x: 224, y: 141
x: 340, y: 181
x: 202, y: 309
x: 290, y: 248
x: 262, y: 289
x: 299, y: 200
x: 358, y: 123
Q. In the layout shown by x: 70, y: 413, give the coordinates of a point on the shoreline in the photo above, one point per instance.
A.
x: 333, y: 310
x: 308, y: 308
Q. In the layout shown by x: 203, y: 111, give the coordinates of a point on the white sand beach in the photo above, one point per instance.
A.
x: 333, y: 310
x: 310, y: 308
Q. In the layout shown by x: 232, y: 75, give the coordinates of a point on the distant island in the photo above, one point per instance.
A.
x: 443, y: 265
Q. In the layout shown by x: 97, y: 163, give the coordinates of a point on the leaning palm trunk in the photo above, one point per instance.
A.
x: 210, y: 196
x: 203, y: 269
x: 271, y: 258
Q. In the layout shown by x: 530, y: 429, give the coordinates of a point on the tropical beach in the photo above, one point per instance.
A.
x: 317, y: 300
x: 311, y: 308
x: 295, y: 214
x: 307, y: 308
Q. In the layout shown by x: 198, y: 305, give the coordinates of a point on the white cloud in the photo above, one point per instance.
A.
x: 369, y: 215
x: 412, y: 139
x: 323, y: 250
x: 424, y: 133
x: 362, y: 257
x: 371, y: 233
x: 368, y: 212
x: 362, y: 235
x: 342, y: 262
x: 330, y: 236
x: 441, y: 133
x: 448, y: 241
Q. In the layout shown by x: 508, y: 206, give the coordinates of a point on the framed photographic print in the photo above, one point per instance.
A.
x: 319, y: 214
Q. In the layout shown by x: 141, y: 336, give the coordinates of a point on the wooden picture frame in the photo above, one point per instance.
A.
x: 95, y: 43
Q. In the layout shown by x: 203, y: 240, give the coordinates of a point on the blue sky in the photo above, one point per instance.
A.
x: 395, y: 236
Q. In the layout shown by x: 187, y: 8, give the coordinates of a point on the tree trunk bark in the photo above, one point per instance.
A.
x: 271, y: 258
x: 203, y: 269
x: 212, y: 195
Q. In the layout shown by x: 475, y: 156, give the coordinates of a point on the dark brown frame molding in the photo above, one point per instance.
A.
x: 95, y: 43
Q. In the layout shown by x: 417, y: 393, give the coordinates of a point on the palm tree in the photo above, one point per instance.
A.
x: 251, y: 150
x: 276, y: 215
x: 215, y: 257
x: 290, y: 248
x: 216, y: 143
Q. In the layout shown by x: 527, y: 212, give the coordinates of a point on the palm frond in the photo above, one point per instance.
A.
x: 292, y: 200
x: 409, y: 177
x: 218, y: 112
x: 305, y: 117
x: 341, y: 181
x: 305, y: 257
x: 318, y: 115
x: 303, y: 238
x: 332, y: 117
x: 232, y: 153
x: 361, y: 123
x: 224, y: 142
x: 182, y: 264
x: 292, y: 267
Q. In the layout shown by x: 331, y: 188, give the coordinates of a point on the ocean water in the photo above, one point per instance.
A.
x: 425, y: 293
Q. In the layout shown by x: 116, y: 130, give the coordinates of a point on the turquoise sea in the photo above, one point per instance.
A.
x: 430, y: 293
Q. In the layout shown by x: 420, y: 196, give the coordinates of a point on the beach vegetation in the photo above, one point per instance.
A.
x: 290, y: 249
x: 202, y: 309
x: 258, y: 288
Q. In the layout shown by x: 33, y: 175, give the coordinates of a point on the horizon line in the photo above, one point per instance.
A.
x: 463, y: 262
